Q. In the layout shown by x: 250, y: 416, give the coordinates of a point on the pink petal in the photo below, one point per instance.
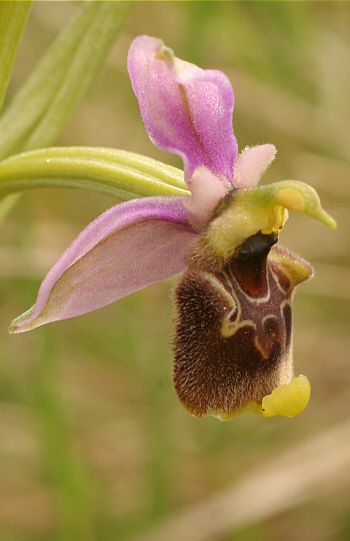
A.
x: 207, y: 191
x: 186, y: 110
x: 251, y: 164
x: 132, y: 245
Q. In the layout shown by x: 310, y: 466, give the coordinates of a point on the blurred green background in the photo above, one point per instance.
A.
x: 93, y: 441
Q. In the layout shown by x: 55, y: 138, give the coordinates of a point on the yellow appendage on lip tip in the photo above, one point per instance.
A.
x: 288, y: 400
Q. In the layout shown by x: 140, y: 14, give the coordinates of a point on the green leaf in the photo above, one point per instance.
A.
x: 44, y: 105
x: 13, y: 17
x: 120, y: 174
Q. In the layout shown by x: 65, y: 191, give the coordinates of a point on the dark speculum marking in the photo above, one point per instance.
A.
x: 249, y: 265
x: 233, y: 331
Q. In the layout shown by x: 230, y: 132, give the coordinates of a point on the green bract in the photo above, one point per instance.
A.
x: 120, y: 174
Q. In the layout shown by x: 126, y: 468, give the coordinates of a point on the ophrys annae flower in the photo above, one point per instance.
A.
x: 233, y: 323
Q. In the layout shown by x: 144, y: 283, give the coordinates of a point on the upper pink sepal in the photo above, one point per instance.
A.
x: 251, y: 164
x: 132, y: 245
x: 186, y: 110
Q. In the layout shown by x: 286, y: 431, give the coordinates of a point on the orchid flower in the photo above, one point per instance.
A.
x: 232, y: 341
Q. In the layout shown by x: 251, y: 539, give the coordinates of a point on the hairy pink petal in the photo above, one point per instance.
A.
x: 207, y: 191
x: 186, y: 110
x: 251, y: 164
x: 132, y: 245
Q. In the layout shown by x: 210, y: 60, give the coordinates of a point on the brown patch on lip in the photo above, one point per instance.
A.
x: 232, y: 341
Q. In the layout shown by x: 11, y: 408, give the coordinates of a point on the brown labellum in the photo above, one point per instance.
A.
x: 232, y: 341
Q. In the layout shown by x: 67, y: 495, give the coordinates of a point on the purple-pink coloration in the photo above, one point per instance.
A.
x: 187, y: 111
x: 251, y: 164
x: 207, y: 192
x: 112, y: 257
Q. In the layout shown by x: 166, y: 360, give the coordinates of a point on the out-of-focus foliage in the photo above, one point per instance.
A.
x: 13, y: 17
x: 93, y: 442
